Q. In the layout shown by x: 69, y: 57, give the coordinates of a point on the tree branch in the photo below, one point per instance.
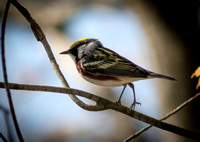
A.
x: 163, y: 118
x: 105, y: 104
x: 6, y: 115
x: 3, y: 138
x: 41, y: 37
x: 5, y: 72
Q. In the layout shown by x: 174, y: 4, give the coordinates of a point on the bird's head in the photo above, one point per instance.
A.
x: 82, y: 47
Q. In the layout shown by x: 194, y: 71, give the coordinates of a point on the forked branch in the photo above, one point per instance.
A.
x: 40, y: 36
x: 105, y: 104
x: 163, y: 118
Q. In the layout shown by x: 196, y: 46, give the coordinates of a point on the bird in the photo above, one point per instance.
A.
x: 104, y: 67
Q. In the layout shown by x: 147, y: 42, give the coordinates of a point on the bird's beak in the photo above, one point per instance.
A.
x: 65, y: 52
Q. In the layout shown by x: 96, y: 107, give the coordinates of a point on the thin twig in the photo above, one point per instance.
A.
x: 6, y: 117
x: 5, y: 72
x: 163, y: 118
x: 3, y: 138
x: 106, y: 104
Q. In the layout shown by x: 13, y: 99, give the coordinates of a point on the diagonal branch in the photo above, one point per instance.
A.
x: 105, y: 104
x: 41, y: 37
x: 5, y: 72
x: 3, y: 138
x: 163, y: 118
x: 6, y: 117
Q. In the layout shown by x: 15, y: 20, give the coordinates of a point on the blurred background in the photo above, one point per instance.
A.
x: 161, y: 36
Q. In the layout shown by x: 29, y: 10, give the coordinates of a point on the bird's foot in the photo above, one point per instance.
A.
x: 133, y: 104
x: 119, y: 103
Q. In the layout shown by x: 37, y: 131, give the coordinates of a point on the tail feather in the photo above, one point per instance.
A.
x: 155, y: 75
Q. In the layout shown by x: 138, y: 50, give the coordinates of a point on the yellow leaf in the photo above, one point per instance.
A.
x: 197, y: 74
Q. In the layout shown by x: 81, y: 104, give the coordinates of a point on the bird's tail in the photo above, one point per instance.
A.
x: 156, y: 75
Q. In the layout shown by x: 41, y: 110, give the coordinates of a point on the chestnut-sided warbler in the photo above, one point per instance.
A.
x: 104, y: 67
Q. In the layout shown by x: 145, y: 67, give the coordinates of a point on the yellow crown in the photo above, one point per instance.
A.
x: 77, y: 42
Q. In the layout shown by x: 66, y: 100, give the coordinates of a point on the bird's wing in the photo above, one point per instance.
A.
x: 107, y: 62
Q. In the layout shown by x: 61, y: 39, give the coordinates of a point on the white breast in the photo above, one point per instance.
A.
x: 111, y: 83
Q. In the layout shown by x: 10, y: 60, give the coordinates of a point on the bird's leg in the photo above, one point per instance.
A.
x: 134, y: 101
x: 119, y: 100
